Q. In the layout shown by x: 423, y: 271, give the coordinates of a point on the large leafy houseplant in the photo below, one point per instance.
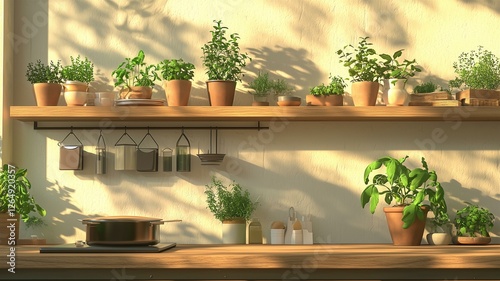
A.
x: 15, y: 195
x: 222, y: 57
x: 405, y: 187
x: 361, y: 61
x: 229, y: 202
x: 394, y: 69
x: 477, y: 69
x: 135, y: 72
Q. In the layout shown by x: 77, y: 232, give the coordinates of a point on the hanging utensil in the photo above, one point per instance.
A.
x: 183, y: 154
x: 126, y: 154
x: 100, y: 152
x: 70, y: 156
x: 167, y: 159
x: 147, y: 158
x: 212, y: 158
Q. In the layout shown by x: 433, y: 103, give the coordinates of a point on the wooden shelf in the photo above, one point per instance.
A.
x: 255, y: 113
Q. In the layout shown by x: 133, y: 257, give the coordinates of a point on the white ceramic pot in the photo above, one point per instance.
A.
x: 75, y: 98
x: 234, y: 232
x: 385, y: 91
x: 438, y: 238
x: 397, y: 94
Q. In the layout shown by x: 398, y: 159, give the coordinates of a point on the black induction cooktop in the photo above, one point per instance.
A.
x: 72, y: 248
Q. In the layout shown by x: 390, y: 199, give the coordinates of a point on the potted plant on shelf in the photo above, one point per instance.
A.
x: 46, y: 80
x: 440, y: 233
x: 177, y: 75
x: 364, y: 69
x: 408, y: 189
x: 77, y: 77
x: 262, y: 87
x: 331, y: 94
x: 396, y: 75
x: 283, y: 91
x: 15, y: 201
x: 224, y: 64
x: 479, y: 72
x: 233, y: 207
x: 473, y: 224
x: 136, y: 77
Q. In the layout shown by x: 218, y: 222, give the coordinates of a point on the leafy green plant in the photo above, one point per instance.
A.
x: 230, y: 202
x: 361, y: 61
x: 473, y: 220
x: 262, y: 85
x: 477, y: 69
x: 176, y: 69
x: 405, y: 187
x: 81, y: 70
x: 14, y: 192
x: 393, y: 69
x: 35, y: 222
x: 40, y: 73
x: 282, y: 88
x: 426, y: 87
x: 222, y: 57
x: 336, y: 87
x: 135, y: 72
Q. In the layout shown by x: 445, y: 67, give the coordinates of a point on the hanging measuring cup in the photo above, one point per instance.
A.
x: 183, y: 154
x: 70, y: 155
x: 166, y: 155
x: 126, y: 154
x: 147, y: 157
x: 100, y: 153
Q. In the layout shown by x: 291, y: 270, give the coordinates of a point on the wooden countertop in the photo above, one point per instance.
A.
x: 321, y: 261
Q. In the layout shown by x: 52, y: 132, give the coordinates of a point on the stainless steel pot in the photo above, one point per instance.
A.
x: 123, y: 230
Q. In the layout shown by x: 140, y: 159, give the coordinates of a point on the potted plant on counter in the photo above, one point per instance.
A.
x: 177, y: 75
x: 224, y: 65
x: 407, y: 189
x: 331, y: 94
x: 440, y: 232
x: 473, y: 224
x: 16, y: 200
x: 77, y: 77
x: 233, y: 207
x: 46, y: 80
x: 479, y: 72
x: 262, y: 86
x: 364, y: 69
x: 396, y: 75
x: 136, y: 77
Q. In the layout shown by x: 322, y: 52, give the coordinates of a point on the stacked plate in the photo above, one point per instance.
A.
x: 150, y: 102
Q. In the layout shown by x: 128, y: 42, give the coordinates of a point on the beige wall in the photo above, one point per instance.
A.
x: 315, y: 167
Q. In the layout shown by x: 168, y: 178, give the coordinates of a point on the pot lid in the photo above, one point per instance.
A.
x: 122, y: 219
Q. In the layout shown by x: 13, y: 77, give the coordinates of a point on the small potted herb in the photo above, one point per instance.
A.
x: 407, y: 189
x: 364, y: 69
x: 177, y: 75
x: 12, y: 179
x: 77, y: 77
x: 478, y: 71
x: 473, y: 224
x: 331, y: 94
x: 136, y: 77
x: 440, y: 232
x: 46, y: 80
x: 262, y: 86
x: 224, y: 65
x: 396, y: 75
x: 233, y: 207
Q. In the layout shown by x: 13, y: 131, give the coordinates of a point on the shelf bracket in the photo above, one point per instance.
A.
x: 259, y: 127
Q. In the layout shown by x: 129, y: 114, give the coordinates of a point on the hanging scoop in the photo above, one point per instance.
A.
x: 100, y: 153
x: 212, y: 158
x: 183, y: 153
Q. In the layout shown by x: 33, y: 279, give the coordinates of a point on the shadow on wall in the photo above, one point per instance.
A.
x: 492, y: 5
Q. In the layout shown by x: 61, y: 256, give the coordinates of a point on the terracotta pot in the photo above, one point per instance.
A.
x: 365, y: 93
x: 411, y: 236
x: 332, y: 100
x: 5, y: 231
x: 137, y: 92
x: 177, y: 92
x: 74, y: 98
x: 221, y: 93
x: 463, y: 240
x: 260, y: 103
x: 289, y: 101
x: 47, y: 94
x: 234, y: 231
x: 75, y: 86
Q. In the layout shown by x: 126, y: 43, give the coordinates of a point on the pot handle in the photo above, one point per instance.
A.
x: 163, y: 221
